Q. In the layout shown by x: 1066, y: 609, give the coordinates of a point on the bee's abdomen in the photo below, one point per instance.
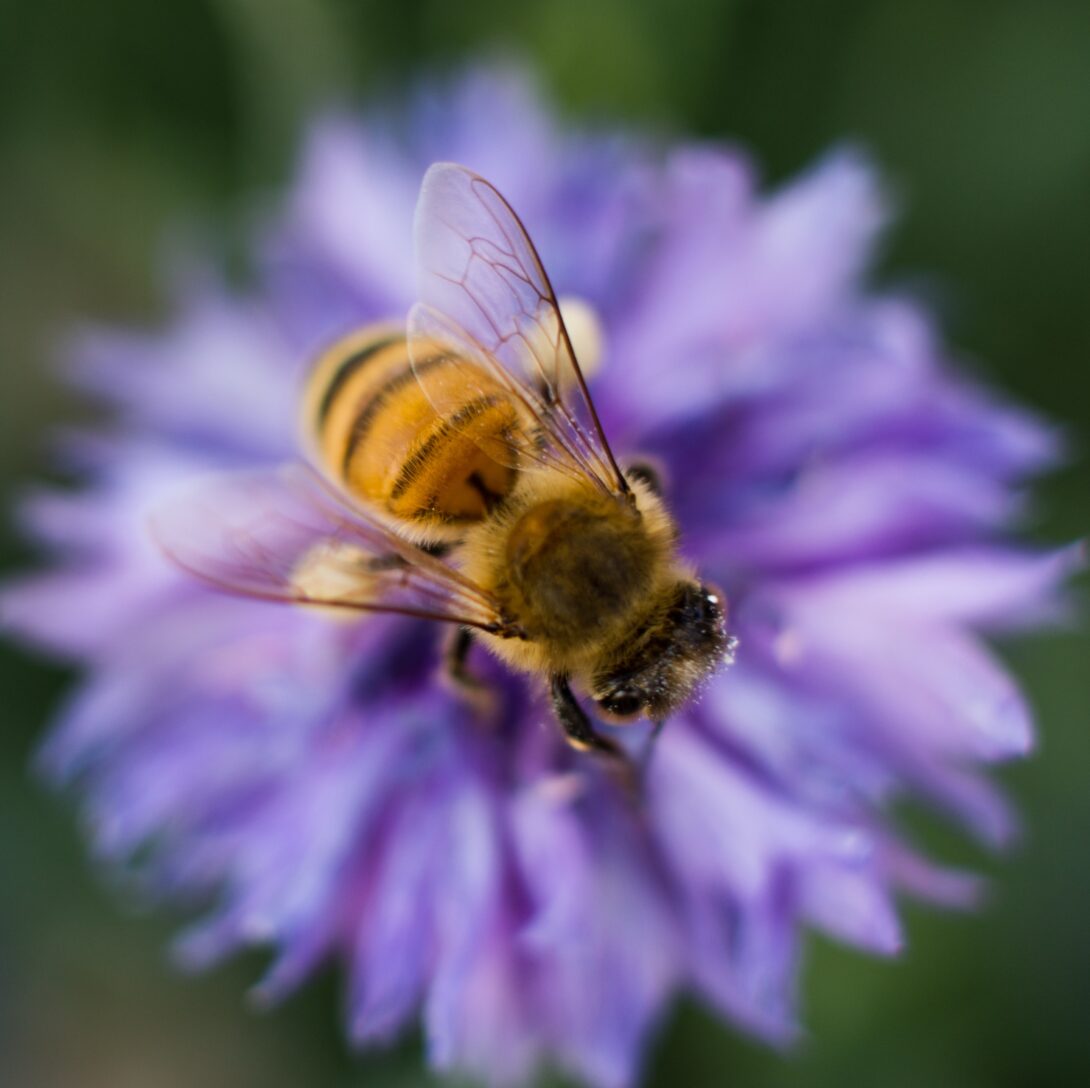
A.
x: 414, y: 453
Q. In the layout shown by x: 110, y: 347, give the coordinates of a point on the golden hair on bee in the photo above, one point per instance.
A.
x: 465, y: 477
x: 370, y: 423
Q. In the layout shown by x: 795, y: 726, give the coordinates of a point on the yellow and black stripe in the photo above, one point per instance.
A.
x: 411, y: 443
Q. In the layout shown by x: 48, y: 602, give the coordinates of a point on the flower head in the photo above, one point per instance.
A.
x: 318, y: 789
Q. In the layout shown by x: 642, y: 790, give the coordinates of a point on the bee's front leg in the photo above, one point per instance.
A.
x: 580, y: 734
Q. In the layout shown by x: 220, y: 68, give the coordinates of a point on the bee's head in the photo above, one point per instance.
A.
x: 662, y: 663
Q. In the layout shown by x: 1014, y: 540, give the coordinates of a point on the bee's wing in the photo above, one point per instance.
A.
x: 283, y: 535
x: 485, y: 296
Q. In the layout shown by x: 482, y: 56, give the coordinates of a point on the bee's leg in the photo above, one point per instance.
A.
x: 645, y: 473
x: 454, y: 659
x: 480, y: 695
x: 376, y: 563
x: 580, y: 734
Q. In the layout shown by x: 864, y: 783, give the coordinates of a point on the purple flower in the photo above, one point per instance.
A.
x: 313, y: 787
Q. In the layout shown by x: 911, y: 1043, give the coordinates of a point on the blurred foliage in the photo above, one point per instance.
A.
x: 120, y: 121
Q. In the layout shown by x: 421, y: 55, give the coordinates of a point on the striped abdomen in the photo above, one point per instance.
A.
x: 377, y: 432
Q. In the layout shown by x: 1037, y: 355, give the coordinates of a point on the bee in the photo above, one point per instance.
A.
x: 455, y: 468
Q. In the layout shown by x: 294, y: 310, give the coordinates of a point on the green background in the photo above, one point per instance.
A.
x: 121, y: 120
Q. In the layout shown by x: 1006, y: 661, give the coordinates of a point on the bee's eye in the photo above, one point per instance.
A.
x: 621, y: 703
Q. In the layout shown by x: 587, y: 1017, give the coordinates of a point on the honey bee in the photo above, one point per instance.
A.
x: 456, y: 469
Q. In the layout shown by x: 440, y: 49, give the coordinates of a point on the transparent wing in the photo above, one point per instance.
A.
x: 486, y: 300
x: 282, y: 535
